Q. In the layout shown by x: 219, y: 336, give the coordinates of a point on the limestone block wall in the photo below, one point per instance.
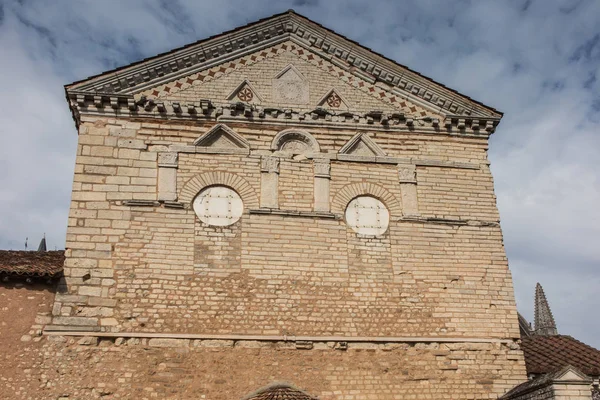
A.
x: 138, y: 264
x: 88, y: 368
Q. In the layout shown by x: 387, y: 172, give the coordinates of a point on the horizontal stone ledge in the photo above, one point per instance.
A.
x: 208, y: 150
x: 445, y: 164
x: 66, y: 329
x: 446, y: 221
x: 141, y: 203
x: 53, y: 330
x: 293, y: 213
x: 151, y: 203
x: 173, y: 204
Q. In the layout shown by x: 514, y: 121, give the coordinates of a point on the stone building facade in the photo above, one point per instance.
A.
x: 280, y: 204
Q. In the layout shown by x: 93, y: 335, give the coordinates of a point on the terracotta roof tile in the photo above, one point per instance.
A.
x: 546, y: 354
x: 32, y: 263
x: 280, y: 392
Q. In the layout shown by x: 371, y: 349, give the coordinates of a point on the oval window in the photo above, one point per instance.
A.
x: 218, y: 206
x: 367, y: 215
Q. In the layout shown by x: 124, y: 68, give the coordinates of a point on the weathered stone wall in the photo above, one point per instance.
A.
x: 148, y: 267
x: 572, y: 391
x: 309, y: 139
x: 24, y: 310
x: 85, y: 368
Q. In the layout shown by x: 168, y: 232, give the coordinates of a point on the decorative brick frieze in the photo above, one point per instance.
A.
x: 312, y: 40
x: 226, y: 113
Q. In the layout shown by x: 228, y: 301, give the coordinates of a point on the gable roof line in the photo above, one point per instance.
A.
x: 175, y: 50
x: 337, y: 48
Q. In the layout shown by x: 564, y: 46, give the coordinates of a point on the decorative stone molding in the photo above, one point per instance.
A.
x: 322, y: 168
x: 361, y: 145
x: 168, y: 159
x: 294, y: 213
x: 334, y: 100
x: 290, y: 87
x: 193, y: 186
x: 269, y: 164
x: 222, y: 139
x: 342, y: 52
x: 295, y: 141
x: 347, y: 193
x: 245, y: 92
x: 407, y: 173
x: 116, y: 105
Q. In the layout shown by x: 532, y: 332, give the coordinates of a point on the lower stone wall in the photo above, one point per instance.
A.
x: 25, y: 305
x: 72, y: 368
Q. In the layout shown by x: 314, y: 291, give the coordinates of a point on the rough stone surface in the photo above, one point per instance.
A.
x: 138, y: 371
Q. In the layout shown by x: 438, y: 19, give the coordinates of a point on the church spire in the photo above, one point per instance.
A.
x: 42, y: 246
x: 543, y: 321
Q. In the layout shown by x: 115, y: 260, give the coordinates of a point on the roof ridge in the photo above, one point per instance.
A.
x: 359, y: 59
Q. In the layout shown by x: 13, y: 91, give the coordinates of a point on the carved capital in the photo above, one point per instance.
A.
x: 168, y: 160
x: 322, y: 168
x: 407, y: 174
x: 269, y: 164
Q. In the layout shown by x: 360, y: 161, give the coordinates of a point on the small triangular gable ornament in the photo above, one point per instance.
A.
x: 361, y: 145
x: 332, y: 99
x: 222, y: 139
x: 245, y: 93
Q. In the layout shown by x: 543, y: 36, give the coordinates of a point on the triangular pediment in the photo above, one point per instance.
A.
x: 220, y: 138
x: 333, y: 100
x: 246, y: 93
x: 570, y: 373
x: 352, y: 62
x: 290, y: 73
x: 361, y: 145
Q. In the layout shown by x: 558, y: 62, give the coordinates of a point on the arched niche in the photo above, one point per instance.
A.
x: 295, y: 141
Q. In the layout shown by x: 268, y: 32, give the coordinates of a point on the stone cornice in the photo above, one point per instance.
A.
x: 335, y: 48
x: 126, y: 106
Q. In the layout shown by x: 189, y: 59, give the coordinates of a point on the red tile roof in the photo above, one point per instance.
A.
x: 32, y: 263
x: 280, y: 392
x: 546, y: 354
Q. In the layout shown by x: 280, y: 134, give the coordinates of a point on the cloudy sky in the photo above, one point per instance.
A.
x: 538, y: 61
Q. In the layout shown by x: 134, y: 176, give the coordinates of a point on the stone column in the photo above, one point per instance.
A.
x: 321, y: 190
x: 269, y: 182
x: 167, y: 176
x: 407, y: 175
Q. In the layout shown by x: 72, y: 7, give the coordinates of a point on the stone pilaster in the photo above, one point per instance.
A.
x: 407, y: 175
x: 321, y: 190
x: 269, y: 182
x: 167, y: 176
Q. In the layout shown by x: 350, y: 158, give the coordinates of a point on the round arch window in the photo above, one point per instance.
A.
x: 218, y: 206
x: 367, y: 215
